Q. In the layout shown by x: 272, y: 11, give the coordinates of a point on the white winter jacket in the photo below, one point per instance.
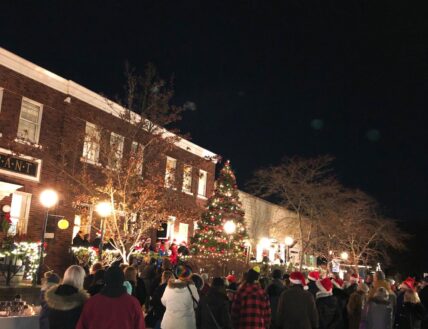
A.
x: 180, y: 308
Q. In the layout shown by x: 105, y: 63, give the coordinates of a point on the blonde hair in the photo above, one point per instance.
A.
x: 411, y: 296
x: 130, y: 273
x: 382, y: 293
x: 74, y: 276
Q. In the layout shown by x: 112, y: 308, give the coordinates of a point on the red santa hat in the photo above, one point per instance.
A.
x: 314, y: 276
x: 298, y: 278
x: 354, y: 278
x: 409, y: 283
x: 231, y: 278
x: 325, y: 286
x: 338, y: 282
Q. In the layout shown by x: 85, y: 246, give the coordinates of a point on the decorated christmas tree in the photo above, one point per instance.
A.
x: 221, y: 231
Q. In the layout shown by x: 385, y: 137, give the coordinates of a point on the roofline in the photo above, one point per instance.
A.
x: 68, y: 87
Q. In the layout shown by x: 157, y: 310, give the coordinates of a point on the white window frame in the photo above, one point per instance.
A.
x: 202, y: 184
x: 170, y: 174
x: 187, y: 179
x: 39, y: 123
x: 93, y: 141
x: 135, y: 147
x: 118, y: 152
x: 19, y: 226
x: 26, y: 157
x: 1, y: 97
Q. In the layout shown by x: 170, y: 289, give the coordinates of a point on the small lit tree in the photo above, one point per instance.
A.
x: 221, y: 230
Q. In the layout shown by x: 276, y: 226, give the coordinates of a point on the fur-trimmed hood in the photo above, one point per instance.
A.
x: 178, y: 284
x: 65, y: 297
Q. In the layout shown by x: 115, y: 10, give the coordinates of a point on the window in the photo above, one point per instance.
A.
x: 137, y: 151
x: 202, y: 184
x: 91, y: 145
x: 76, y: 226
x: 1, y: 97
x: 187, y: 179
x: 183, y: 231
x: 195, y: 226
x: 116, y: 150
x: 171, y: 165
x: 30, y: 120
x: 19, y: 212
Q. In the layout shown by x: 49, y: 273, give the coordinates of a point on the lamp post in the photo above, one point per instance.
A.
x: 48, y: 199
x: 288, y: 242
x: 104, y: 209
x: 229, y: 228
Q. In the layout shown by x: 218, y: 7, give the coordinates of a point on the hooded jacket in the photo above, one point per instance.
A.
x: 356, y: 303
x: 379, y: 314
x: 179, y: 304
x: 329, y: 312
x: 65, y: 304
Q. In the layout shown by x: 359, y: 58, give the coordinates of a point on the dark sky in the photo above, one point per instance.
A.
x: 269, y: 78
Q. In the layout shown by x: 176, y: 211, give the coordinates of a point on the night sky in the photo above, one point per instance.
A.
x: 268, y: 78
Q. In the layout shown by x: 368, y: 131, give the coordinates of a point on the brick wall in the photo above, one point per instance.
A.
x: 64, y: 123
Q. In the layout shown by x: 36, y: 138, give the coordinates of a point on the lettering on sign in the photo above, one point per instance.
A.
x: 13, y: 164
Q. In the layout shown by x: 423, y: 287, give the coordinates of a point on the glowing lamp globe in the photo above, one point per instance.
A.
x: 289, y: 241
x: 6, y: 208
x: 104, y: 209
x: 63, y: 224
x: 48, y: 198
x: 265, y: 242
x: 229, y: 227
x: 344, y: 255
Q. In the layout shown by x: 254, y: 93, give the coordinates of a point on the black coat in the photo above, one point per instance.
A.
x: 411, y: 316
x: 65, y: 304
x: 312, y: 288
x: 329, y: 312
x: 274, y: 290
x: 139, y: 290
x: 423, y: 295
x: 215, y: 301
x: 158, y: 307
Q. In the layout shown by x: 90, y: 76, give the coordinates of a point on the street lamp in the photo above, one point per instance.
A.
x: 48, y: 199
x: 344, y: 255
x: 229, y: 228
x: 104, y: 209
x: 288, y: 242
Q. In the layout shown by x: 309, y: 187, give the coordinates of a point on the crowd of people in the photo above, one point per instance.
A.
x: 172, y: 297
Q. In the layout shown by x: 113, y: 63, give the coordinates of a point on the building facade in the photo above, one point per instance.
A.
x: 39, y: 113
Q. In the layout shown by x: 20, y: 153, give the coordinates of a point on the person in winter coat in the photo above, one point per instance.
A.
x: 157, y: 307
x: 329, y: 312
x: 313, y: 277
x: 412, y: 312
x: 296, y: 307
x: 180, y: 300
x: 250, y: 306
x: 89, y: 279
x: 341, y: 296
x: 213, y: 311
x: 351, y: 285
x: 379, y: 311
x: 65, y: 301
x: 137, y: 284
x: 97, y: 283
x: 356, y: 304
x: 112, y: 307
x: 274, y: 290
x: 423, y: 295
x: 380, y: 281
x: 408, y: 284
x: 50, y: 279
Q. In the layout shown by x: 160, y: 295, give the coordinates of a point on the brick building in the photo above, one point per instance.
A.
x: 38, y: 111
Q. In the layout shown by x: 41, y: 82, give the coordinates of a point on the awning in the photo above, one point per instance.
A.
x: 7, y: 189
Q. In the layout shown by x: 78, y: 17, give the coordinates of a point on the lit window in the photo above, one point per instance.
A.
x: 30, y: 120
x: 202, y: 184
x: 171, y: 165
x: 183, y: 231
x: 195, y: 226
x: 116, y: 150
x: 76, y: 226
x: 137, y: 151
x: 187, y: 179
x: 19, y: 212
x: 91, y: 145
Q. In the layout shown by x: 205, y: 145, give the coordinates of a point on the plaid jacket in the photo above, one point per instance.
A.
x: 250, y: 308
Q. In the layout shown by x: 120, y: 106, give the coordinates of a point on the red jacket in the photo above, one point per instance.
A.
x: 250, y: 308
x: 102, y: 312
